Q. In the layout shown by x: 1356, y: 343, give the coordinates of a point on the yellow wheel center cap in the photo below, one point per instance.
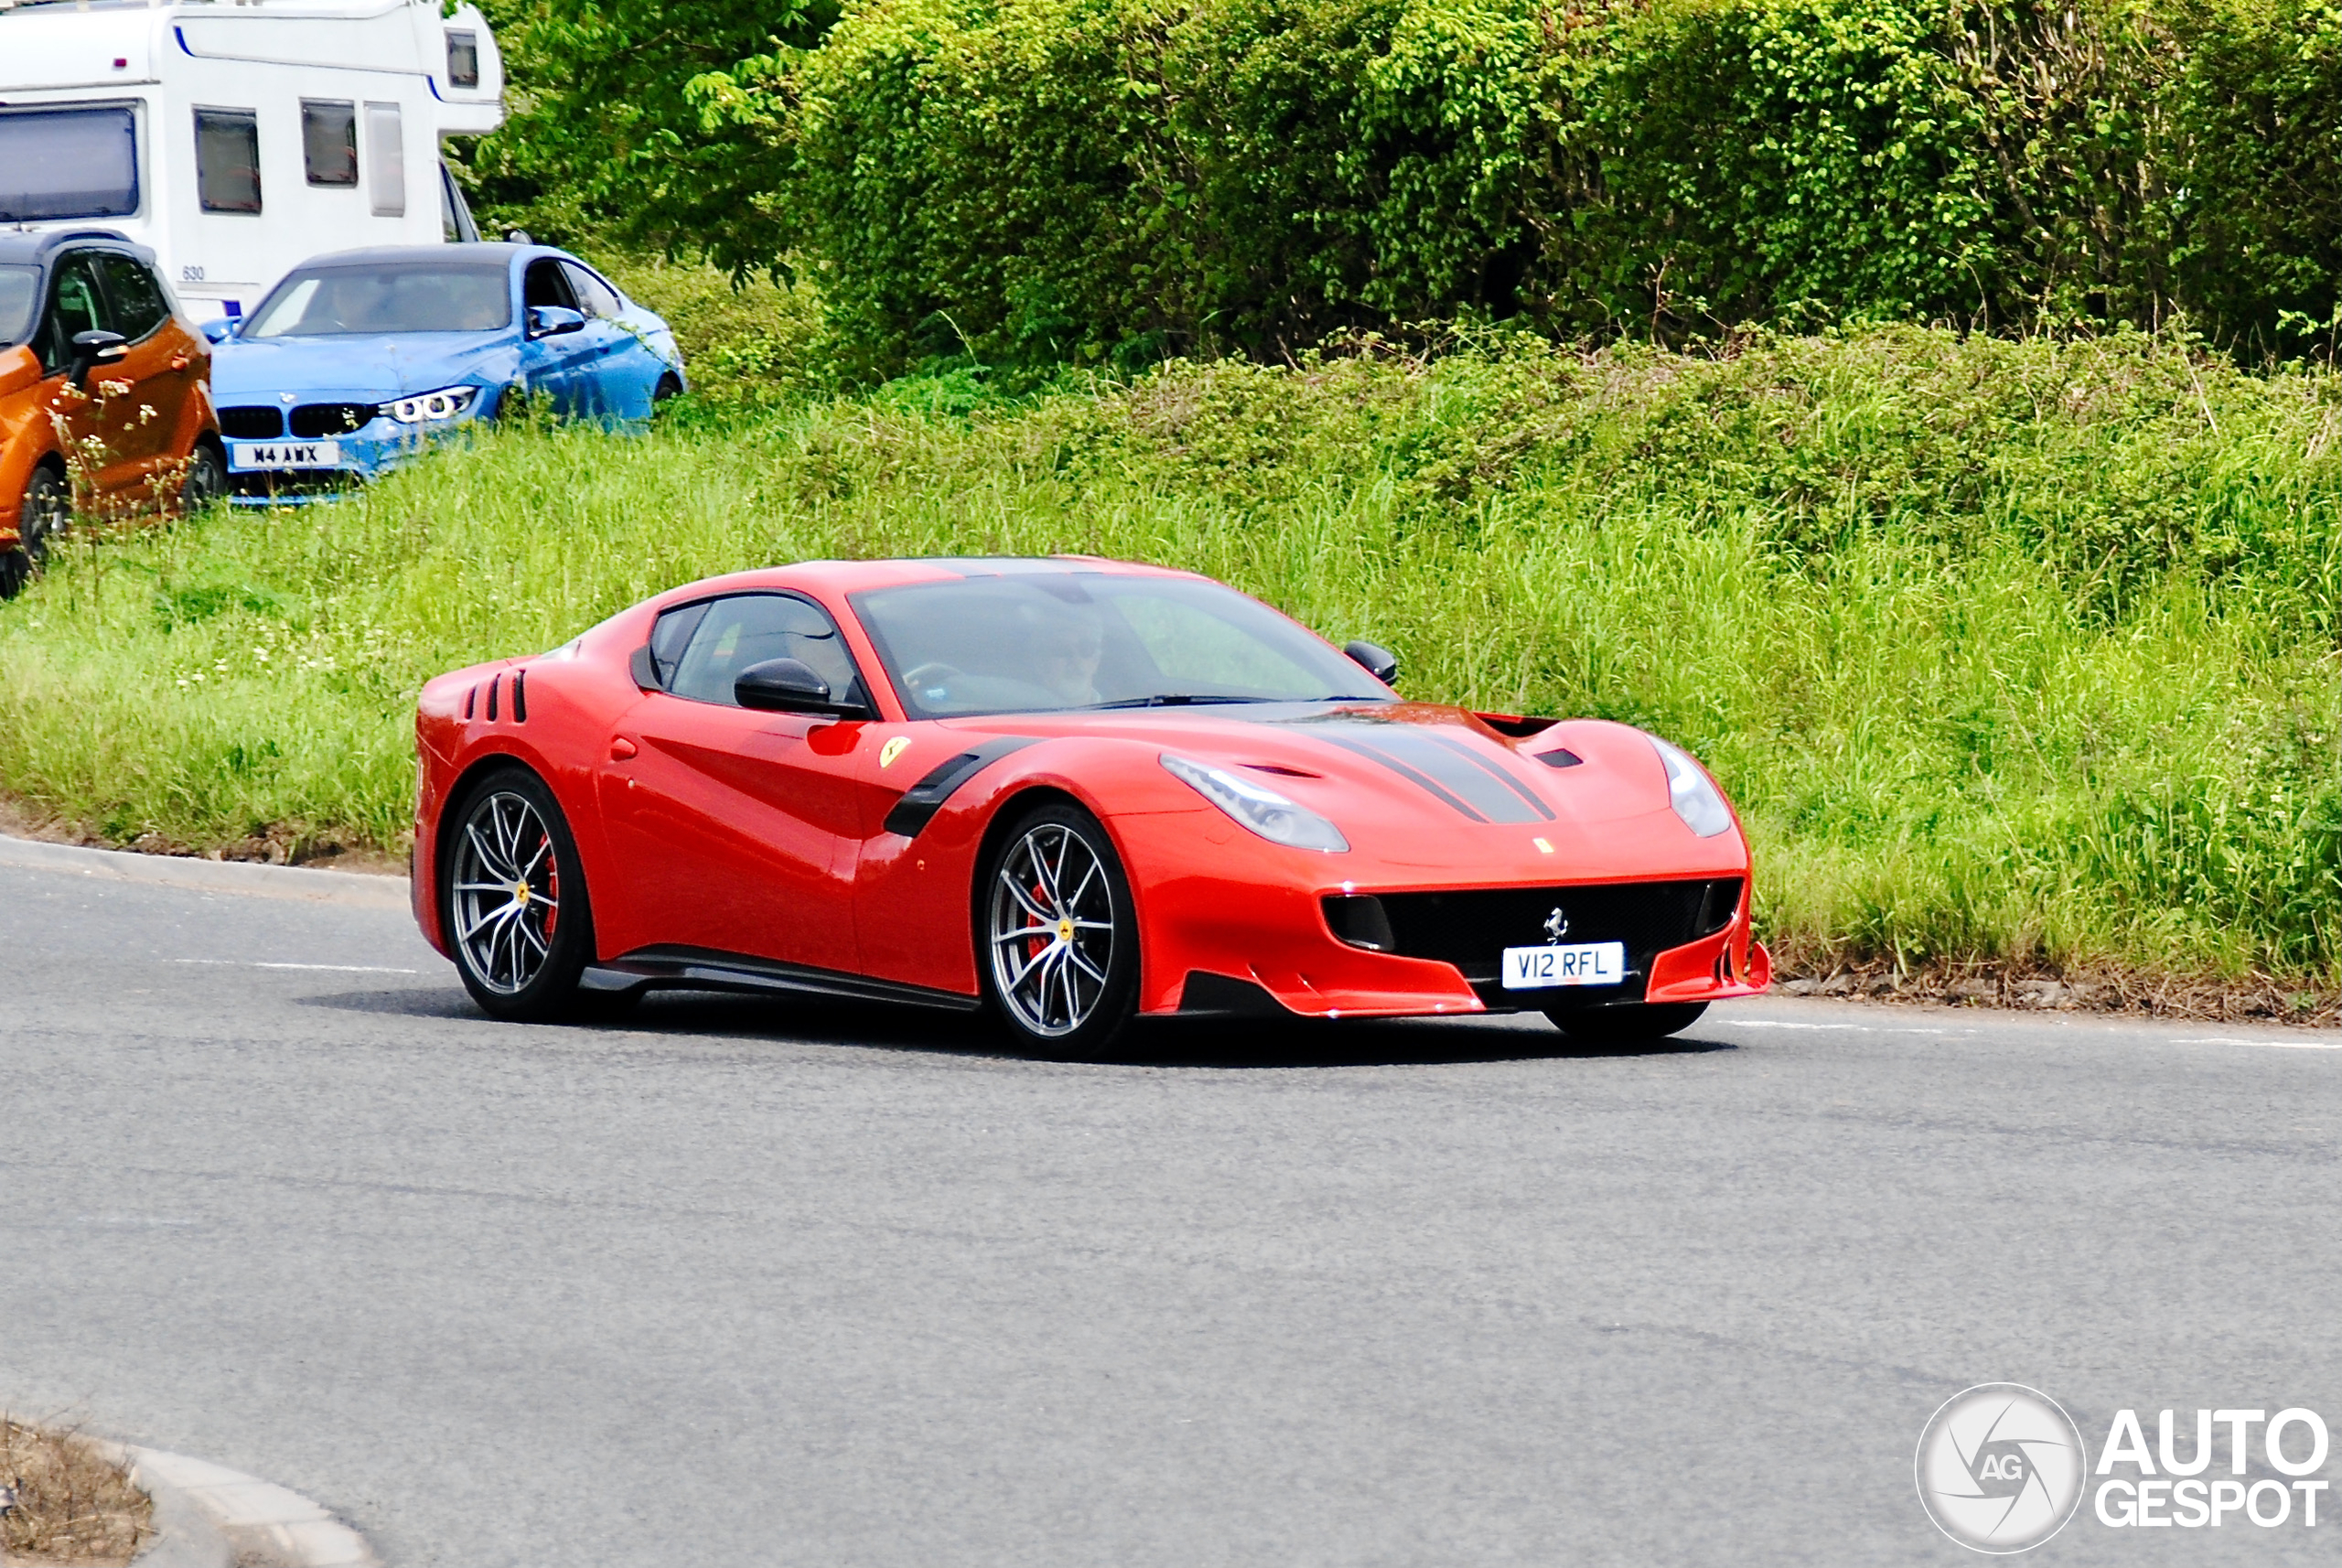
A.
x: 1065, y: 931
x: 520, y: 892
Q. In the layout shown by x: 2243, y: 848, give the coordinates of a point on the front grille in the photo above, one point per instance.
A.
x: 261, y: 423
x: 1471, y: 928
x: 312, y: 420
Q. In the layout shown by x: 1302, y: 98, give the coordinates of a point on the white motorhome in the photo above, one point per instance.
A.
x: 237, y: 138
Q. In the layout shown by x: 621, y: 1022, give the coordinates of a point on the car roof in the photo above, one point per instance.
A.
x: 482, y: 253
x: 838, y: 578
x: 35, y: 247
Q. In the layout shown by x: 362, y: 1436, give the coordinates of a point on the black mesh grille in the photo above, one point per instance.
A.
x: 250, y: 424
x: 1471, y: 930
x: 312, y: 420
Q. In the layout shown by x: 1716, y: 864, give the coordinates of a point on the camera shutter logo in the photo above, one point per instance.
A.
x: 2001, y: 1468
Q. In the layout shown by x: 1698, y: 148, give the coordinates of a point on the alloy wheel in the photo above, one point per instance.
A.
x: 1052, y: 930
x: 506, y: 892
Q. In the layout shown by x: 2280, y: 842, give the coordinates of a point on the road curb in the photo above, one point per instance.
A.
x: 208, y: 1516
x: 243, y: 878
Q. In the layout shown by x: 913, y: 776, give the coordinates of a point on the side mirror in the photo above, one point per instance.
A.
x: 789, y: 686
x: 1375, y: 660
x: 91, y: 349
x: 552, y: 320
x: 218, y: 331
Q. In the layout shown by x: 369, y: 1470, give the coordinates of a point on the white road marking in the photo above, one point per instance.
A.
x: 2280, y: 1044
x: 336, y: 968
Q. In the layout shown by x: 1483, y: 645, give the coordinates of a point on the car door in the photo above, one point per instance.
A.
x: 733, y: 830
x: 613, y: 370
x: 159, y: 365
x: 549, y: 362
x: 87, y: 419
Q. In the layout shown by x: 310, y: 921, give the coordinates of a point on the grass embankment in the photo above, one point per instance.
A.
x: 2012, y: 654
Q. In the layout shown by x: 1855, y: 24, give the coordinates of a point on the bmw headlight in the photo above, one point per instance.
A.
x: 425, y: 407
x: 1264, y: 812
x: 1691, y: 792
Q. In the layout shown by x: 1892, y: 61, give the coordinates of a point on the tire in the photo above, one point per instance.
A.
x: 48, y: 508
x: 1056, y: 935
x: 512, y: 406
x: 521, y: 956
x: 1628, y: 1025
x: 667, y: 389
x: 206, y: 482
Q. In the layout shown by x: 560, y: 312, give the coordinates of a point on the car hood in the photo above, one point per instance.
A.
x: 373, y: 367
x: 1416, y: 783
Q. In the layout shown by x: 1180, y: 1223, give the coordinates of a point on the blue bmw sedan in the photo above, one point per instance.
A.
x: 360, y: 359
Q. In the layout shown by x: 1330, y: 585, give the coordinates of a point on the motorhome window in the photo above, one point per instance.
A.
x: 74, y: 306
x: 595, y: 297
x: 68, y: 163
x: 227, y: 160
x: 330, y: 142
x: 389, y: 297
x: 386, y: 157
x: 137, y: 300
x: 463, y: 59
x: 19, y: 300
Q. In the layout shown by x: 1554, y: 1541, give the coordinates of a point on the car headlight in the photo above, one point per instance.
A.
x: 1264, y: 812
x: 1691, y: 792
x: 425, y: 407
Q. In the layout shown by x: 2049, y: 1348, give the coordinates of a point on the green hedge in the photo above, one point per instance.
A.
x: 1086, y: 180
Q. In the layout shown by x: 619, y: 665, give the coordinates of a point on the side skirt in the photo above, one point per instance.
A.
x: 704, y: 969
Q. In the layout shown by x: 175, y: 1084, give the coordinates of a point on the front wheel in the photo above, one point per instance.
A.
x: 48, y: 508
x: 206, y: 482
x: 1058, y: 935
x: 1628, y: 1025
x: 514, y: 910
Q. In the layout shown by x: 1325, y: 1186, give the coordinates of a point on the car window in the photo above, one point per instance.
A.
x: 544, y: 285
x: 74, y: 306
x: 386, y: 296
x: 137, y: 299
x: 668, y: 638
x: 595, y: 297
x: 752, y: 628
x: 227, y: 160
x: 19, y: 302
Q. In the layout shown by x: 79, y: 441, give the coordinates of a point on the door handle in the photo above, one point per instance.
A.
x: 621, y: 749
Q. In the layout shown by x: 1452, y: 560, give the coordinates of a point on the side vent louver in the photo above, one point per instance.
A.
x: 519, y: 697
x: 493, y: 682
x: 471, y: 702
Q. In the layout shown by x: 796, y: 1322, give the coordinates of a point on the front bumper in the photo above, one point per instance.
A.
x: 376, y: 447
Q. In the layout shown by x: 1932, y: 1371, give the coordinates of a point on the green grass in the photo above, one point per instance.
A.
x: 2023, y: 653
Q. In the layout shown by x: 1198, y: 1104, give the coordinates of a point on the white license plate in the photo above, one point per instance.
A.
x: 288, y: 454
x: 1587, y: 964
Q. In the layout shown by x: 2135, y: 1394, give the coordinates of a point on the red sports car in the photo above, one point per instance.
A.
x: 1068, y: 790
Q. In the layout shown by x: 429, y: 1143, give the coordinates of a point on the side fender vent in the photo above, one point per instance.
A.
x: 519, y: 697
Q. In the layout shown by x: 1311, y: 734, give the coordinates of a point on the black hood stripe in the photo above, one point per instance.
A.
x: 1494, y: 771
x: 1401, y: 768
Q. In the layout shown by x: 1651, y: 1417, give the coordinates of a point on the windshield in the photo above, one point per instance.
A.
x: 386, y: 296
x: 1043, y: 640
x: 19, y: 300
x: 68, y: 163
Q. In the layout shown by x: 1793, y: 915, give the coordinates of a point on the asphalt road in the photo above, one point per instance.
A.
x: 740, y: 1284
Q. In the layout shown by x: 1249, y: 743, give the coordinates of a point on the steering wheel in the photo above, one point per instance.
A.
x: 934, y: 673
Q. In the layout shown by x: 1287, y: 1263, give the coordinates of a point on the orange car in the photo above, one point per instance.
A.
x: 98, y: 372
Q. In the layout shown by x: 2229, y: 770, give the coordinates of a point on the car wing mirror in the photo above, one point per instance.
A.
x: 219, y: 330
x: 789, y: 686
x: 552, y: 320
x: 1375, y: 660
x: 91, y: 349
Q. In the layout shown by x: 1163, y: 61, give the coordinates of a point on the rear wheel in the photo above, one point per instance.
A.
x: 514, y: 907
x: 1628, y: 1025
x: 1056, y: 934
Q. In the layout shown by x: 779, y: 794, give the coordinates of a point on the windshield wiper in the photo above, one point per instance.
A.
x: 1178, y: 700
